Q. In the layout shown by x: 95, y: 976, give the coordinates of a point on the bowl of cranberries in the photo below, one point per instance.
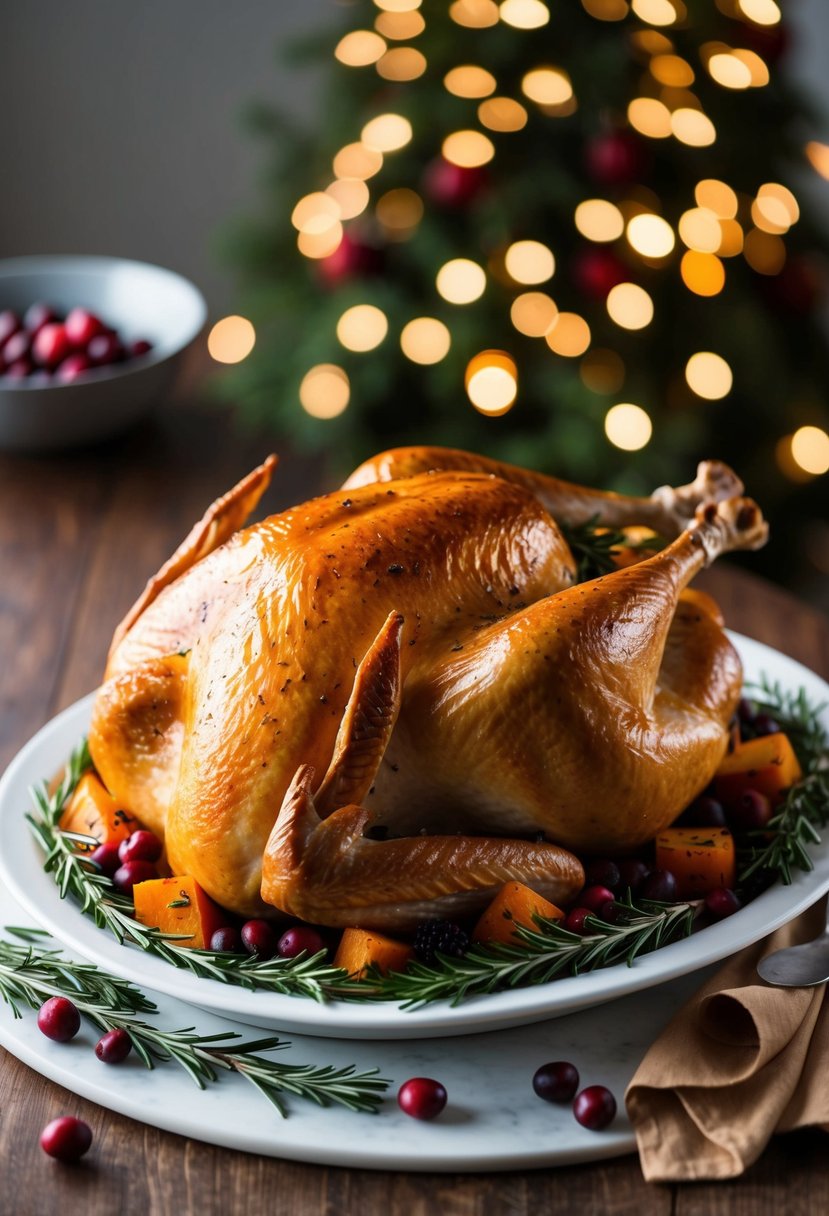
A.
x: 87, y: 346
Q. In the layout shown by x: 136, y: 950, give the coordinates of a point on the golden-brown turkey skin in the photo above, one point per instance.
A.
x: 277, y: 621
x: 592, y: 713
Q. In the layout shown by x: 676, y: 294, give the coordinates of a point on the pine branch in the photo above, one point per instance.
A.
x: 77, y: 876
x: 28, y: 976
x: 594, y: 546
x: 544, y: 954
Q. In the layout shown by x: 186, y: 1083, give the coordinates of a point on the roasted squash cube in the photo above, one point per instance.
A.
x: 178, y: 905
x: 700, y: 859
x: 768, y: 765
x: 514, y: 905
x: 92, y: 811
x: 359, y: 948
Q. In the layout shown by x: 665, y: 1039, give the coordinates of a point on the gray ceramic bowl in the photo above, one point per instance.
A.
x: 140, y: 301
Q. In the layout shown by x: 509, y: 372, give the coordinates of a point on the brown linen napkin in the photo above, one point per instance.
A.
x: 739, y: 1062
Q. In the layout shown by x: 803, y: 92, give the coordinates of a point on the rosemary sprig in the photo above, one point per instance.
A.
x: 29, y: 975
x: 76, y: 875
x: 594, y: 546
x: 544, y: 954
x: 783, y: 844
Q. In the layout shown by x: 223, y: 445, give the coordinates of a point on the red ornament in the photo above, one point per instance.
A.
x: 351, y: 259
x: 615, y: 158
x: 448, y: 185
x: 597, y: 271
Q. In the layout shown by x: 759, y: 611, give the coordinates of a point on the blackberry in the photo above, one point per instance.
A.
x: 440, y: 935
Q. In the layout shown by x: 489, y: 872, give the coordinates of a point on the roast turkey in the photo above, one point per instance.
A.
x: 383, y: 703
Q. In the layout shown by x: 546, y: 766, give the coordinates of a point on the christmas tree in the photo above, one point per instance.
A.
x: 563, y: 235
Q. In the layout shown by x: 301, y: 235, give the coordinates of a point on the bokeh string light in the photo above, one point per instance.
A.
x: 492, y: 382
x: 231, y: 340
x: 325, y: 391
x: 628, y: 426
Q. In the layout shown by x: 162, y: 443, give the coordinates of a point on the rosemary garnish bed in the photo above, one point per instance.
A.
x: 30, y: 974
x: 538, y: 956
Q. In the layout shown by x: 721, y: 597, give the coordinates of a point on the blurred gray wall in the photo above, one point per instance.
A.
x: 119, y: 124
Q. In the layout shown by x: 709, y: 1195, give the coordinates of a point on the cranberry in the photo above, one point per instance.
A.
x: 19, y: 346
x: 81, y: 326
x: 595, y: 1107
x: 259, y: 938
x: 722, y: 902
x: 9, y: 324
x: 421, y: 1097
x: 293, y: 941
x: 660, y: 885
x: 132, y: 872
x: 106, y: 858
x: 71, y: 368
x: 58, y: 1019
x: 140, y: 846
x: 556, y: 1082
x: 113, y: 1047
x: 66, y: 1139
x: 138, y: 348
x: 753, y: 811
x: 764, y: 724
x: 703, y: 812
x: 603, y: 873
x: 20, y: 369
x: 38, y: 315
x: 610, y: 912
x: 51, y: 345
x: 632, y: 873
x: 104, y: 348
x: 574, y: 920
x: 227, y: 939
x: 594, y: 897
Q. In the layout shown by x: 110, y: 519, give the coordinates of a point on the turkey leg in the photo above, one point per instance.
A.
x: 668, y: 510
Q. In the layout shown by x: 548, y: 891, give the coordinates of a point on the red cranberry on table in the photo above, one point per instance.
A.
x: 38, y: 315
x: 595, y: 1107
x: 226, y: 939
x: 58, y: 1019
x: 556, y: 1082
x: 421, y: 1097
x: 51, y: 345
x: 132, y: 872
x: 722, y: 902
x: 9, y: 324
x: 140, y: 846
x: 753, y: 811
x: 107, y: 858
x: 298, y: 938
x: 66, y: 1139
x: 259, y: 938
x: 660, y: 885
x: 114, y: 1046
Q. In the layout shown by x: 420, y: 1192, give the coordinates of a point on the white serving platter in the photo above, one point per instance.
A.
x: 21, y: 870
x: 493, y: 1119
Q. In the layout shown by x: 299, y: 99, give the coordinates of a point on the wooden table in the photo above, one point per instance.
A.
x: 79, y: 534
